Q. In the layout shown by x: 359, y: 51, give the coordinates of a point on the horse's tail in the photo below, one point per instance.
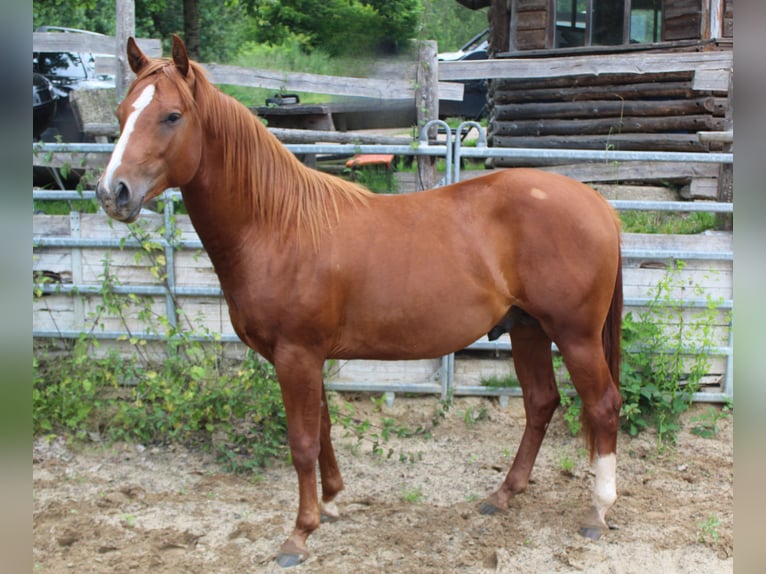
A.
x: 612, y: 332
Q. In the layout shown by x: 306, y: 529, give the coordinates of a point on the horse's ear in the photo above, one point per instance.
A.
x: 180, y: 57
x: 136, y: 58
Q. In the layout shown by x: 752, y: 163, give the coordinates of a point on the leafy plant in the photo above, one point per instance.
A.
x: 497, y: 382
x: 571, y: 405
x: 666, y: 357
x: 412, y: 495
x: 708, y: 530
x: 706, y: 424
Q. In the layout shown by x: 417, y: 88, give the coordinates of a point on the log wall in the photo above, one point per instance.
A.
x: 657, y: 107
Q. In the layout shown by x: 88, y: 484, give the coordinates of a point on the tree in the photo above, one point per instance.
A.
x: 191, y: 28
x: 219, y: 31
x: 498, y: 18
x: 338, y: 26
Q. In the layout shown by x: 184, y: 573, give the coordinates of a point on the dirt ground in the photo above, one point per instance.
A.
x: 130, y: 508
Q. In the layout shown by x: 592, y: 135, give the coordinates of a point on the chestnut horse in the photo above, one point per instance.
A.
x: 314, y: 267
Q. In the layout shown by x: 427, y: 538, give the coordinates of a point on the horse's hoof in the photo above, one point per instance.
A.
x: 590, y: 532
x: 291, y: 554
x: 329, y: 512
x: 289, y: 560
x: 488, y: 509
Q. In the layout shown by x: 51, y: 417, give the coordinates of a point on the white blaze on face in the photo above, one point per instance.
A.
x: 605, y: 487
x: 138, y: 106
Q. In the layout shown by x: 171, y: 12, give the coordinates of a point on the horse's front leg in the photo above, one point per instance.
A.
x: 300, y: 379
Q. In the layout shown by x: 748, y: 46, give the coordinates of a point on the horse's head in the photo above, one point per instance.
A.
x: 160, y: 141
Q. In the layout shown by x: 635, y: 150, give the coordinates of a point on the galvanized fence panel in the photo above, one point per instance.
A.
x: 411, y: 377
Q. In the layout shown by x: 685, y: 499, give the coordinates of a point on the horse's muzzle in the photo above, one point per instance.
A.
x: 119, y: 202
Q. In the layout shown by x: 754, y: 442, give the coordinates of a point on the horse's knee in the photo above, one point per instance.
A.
x: 304, y: 451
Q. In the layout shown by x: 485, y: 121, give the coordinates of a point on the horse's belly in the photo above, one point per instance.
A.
x: 412, y: 333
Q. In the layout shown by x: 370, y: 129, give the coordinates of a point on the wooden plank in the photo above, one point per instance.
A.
x: 579, y: 83
x: 636, y: 142
x: 602, y: 108
x: 634, y: 171
x: 629, y: 63
x: 615, y: 124
x: 709, y: 241
x: 519, y: 93
x: 711, y: 80
x: 381, y: 88
x: 411, y: 372
x: 95, y: 43
x: 205, y: 314
x: 703, y: 188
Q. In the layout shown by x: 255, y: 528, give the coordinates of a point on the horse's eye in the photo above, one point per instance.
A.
x: 173, y: 117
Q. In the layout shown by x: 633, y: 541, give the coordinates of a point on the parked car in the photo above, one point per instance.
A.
x: 67, y: 72
x: 474, y: 104
x: 56, y: 76
x: 44, y: 103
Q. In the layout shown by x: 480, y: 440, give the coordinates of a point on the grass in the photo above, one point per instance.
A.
x: 667, y: 222
x: 289, y: 57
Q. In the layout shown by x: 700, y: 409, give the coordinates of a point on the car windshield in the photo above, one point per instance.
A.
x: 61, y: 64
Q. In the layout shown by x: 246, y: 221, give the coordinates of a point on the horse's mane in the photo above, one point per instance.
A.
x: 282, y: 192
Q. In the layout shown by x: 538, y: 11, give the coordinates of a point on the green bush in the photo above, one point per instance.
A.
x: 665, y: 355
x: 193, y: 397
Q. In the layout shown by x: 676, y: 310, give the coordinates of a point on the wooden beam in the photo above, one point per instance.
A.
x: 427, y: 107
x: 97, y: 44
x: 630, y: 63
x: 394, y: 88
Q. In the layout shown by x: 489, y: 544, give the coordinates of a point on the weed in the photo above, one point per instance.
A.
x: 412, y: 495
x: 665, y: 359
x: 708, y: 530
x: 706, y: 424
x: 665, y: 355
x: 667, y: 222
x: 498, y: 382
x: 571, y: 406
x: 472, y: 416
x: 567, y: 465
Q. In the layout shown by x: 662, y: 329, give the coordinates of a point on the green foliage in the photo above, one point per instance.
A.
x: 497, y: 382
x: 706, y: 424
x: 708, y: 530
x: 571, y: 407
x: 667, y: 355
x: 94, y: 15
x: 450, y: 24
x: 338, y: 26
x: 413, y: 495
x: 181, y: 390
x: 667, y: 222
x: 190, y: 397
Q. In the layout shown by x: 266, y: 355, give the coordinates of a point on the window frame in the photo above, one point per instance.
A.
x: 588, y: 32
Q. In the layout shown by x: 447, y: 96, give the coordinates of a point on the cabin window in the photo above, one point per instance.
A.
x: 607, y: 22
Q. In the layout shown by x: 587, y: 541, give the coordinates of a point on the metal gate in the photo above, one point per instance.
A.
x: 453, y: 151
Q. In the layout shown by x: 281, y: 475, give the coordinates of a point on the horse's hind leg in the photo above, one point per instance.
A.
x: 601, y: 401
x: 534, y: 368
x: 332, y: 482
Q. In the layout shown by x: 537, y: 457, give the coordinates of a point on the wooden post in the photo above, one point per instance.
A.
x: 125, y: 27
x: 726, y: 172
x: 427, y: 105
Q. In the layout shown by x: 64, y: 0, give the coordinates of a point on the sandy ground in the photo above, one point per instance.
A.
x: 169, y: 509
